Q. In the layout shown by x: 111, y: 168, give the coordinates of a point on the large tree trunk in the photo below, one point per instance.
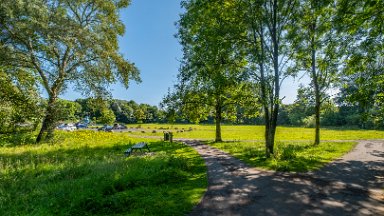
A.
x: 267, y: 103
x: 218, y: 118
x: 316, y: 89
x: 276, y: 91
x: 49, y: 121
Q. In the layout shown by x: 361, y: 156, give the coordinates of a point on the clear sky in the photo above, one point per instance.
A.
x: 149, y: 42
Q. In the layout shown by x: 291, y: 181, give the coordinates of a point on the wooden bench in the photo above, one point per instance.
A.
x: 139, y: 146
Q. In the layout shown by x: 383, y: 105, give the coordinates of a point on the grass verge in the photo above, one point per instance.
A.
x: 288, y: 156
x: 86, y: 173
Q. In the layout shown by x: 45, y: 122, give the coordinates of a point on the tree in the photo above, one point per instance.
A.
x: 363, y: 71
x: 107, y: 116
x: 269, y: 54
x: 67, y: 110
x: 139, y: 115
x: 212, y: 65
x: 314, y: 40
x: 63, y: 42
x: 20, y: 102
x: 303, y: 106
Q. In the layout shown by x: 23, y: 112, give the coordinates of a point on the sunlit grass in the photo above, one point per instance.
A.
x: 288, y: 156
x: 240, y: 132
x: 86, y: 173
x: 294, y: 150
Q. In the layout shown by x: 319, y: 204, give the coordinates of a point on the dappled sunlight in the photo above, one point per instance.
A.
x: 237, y: 189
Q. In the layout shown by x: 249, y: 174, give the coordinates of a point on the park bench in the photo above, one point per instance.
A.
x: 139, y: 146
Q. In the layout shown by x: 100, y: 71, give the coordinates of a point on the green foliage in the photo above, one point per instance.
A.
x: 86, y: 173
x: 212, y: 67
x: 62, y: 42
x: 139, y: 115
x: 125, y: 111
x: 65, y: 41
x: 16, y: 139
x: 20, y: 103
x: 107, y: 117
x: 67, y: 110
x: 364, y: 60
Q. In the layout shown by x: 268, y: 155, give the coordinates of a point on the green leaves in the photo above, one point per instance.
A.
x: 61, y: 42
x: 19, y: 100
x: 66, y: 41
x: 212, y: 66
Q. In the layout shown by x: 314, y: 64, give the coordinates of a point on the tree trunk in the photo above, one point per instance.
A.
x: 49, y: 120
x: 276, y: 91
x: 218, y: 119
x: 268, y: 138
x: 317, y: 119
x: 317, y: 98
x: 316, y: 88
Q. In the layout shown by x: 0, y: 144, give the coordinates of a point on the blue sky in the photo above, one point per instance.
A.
x: 149, y: 42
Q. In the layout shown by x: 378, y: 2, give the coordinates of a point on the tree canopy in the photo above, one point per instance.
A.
x: 63, y: 42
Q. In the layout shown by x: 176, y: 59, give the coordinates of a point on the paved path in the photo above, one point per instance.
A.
x: 352, y: 185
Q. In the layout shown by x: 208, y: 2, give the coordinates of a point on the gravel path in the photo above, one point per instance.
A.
x: 351, y: 185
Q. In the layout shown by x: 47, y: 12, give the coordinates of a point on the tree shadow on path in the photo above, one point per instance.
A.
x: 352, y: 185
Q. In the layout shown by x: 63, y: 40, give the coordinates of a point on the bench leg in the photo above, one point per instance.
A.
x: 128, y: 152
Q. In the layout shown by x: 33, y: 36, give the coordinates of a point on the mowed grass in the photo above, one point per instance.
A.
x: 294, y: 150
x: 86, y: 173
x: 255, y: 132
x: 288, y: 156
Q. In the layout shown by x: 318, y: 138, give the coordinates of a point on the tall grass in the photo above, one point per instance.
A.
x: 86, y: 173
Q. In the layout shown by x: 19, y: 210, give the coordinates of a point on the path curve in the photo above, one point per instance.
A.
x: 351, y: 185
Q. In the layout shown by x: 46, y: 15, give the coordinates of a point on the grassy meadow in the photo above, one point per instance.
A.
x: 251, y: 133
x: 293, y: 149
x: 86, y: 173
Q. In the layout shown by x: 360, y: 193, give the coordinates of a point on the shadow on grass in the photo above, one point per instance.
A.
x: 101, y: 181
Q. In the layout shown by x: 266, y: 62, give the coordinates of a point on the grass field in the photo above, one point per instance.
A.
x: 288, y: 156
x: 293, y: 150
x: 239, y: 132
x: 86, y: 173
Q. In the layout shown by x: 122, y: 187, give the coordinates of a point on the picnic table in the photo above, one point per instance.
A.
x: 139, y: 146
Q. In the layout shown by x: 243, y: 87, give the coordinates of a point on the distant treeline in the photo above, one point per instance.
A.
x: 336, y: 113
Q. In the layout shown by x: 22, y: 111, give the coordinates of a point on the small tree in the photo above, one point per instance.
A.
x: 314, y: 40
x: 107, y: 117
x: 269, y: 54
x: 212, y: 65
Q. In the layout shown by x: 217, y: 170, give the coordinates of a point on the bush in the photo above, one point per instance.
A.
x: 309, y: 121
